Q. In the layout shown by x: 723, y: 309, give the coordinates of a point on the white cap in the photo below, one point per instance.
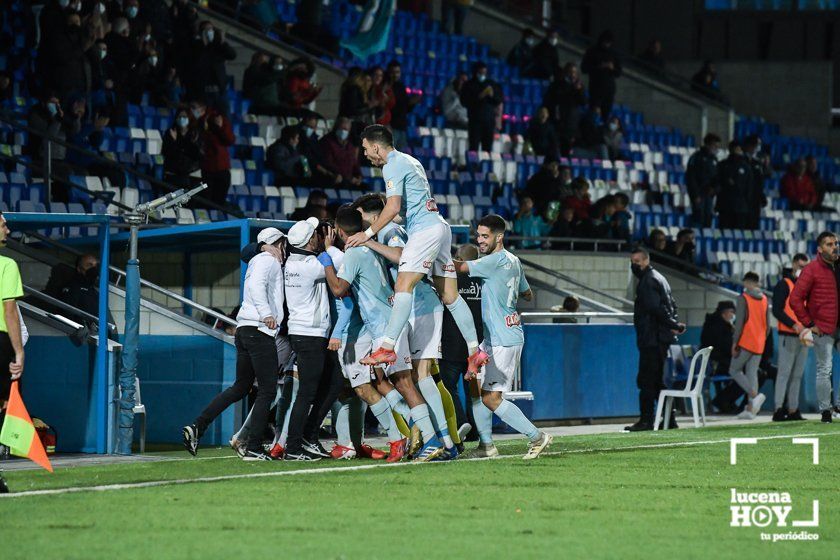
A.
x: 269, y: 235
x: 301, y: 232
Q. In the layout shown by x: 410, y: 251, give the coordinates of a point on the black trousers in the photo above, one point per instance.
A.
x: 481, y: 135
x: 734, y: 220
x: 649, y: 379
x: 320, y: 382
x: 452, y: 373
x: 218, y: 185
x: 256, y: 358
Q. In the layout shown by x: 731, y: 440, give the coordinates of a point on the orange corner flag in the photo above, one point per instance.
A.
x: 19, y: 432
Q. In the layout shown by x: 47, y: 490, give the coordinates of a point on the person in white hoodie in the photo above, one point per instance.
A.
x: 256, y: 353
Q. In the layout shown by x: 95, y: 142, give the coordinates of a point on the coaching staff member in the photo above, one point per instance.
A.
x: 656, y: 322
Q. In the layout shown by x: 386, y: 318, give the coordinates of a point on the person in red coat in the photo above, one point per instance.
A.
x: 814, y: 300
x: 216, y: 137
x: 341, y: 157
x: 798, y: 187
x: 580, y: 201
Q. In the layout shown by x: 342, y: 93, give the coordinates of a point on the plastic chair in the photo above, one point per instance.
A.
x: 140, y: 408
x: 693, y: 392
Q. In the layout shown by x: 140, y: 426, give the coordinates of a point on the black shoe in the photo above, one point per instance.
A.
x: 191, y: 439
x: 826, y: 417
x: 316, y: 448
x: 302, y: 455
x: 639, y: 427
x: 4, y: 488
x: 257, y: 455
x: 795, y: 415
x: 780, y: 415
x: 460, y: 447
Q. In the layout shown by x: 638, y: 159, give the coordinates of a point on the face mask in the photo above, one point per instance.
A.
x: 307, y: 131
x: 530, y: 42
x: 636, y: 270
x: 102, y: 54
x: 342, y: 134
x: 131, y: 12
x: 91, y: 274
x: 77, y: 7
x: 153, y: 60
x: 209, y: 35
x: 613, y: 126
x: 147, y: 38
x: 279, y: 67
x: 63, y: 3
x: 100, y: 8
x: 52, y: 108
x: 183, y: 122
x: 553, y: 42
x: 482, y: 77
x: 733, y: 319
x: 196, y: 113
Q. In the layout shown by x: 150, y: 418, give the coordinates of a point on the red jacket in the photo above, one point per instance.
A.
x: 343, y: 160
x: 581, y: 206
x: 799, y: 190
x: 814, y: 296
x: 216, y: 141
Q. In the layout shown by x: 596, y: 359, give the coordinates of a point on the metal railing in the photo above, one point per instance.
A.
x: 587, y: 316
x: 568, y: 279
x: 58, y: 304
x: 572, y: 243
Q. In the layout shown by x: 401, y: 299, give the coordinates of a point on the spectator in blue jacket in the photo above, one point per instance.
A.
x: 528, y: 224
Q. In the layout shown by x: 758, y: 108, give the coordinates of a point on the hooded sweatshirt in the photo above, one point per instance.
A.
x: 741, y: 315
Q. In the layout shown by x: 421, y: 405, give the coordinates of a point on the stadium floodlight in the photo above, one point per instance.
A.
x: 128, y: 370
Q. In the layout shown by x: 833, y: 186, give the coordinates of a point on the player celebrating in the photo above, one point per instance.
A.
x: 503, y: 284
x: 427, y: 250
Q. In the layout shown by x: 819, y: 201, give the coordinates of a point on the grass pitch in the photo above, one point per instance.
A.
x: 648, y: 495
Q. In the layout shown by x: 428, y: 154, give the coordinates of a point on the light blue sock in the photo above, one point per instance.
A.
x: 513, y: 417
x: 341, y: 419
x: 420, y: 413
x: 382, y: 411
x: 483, y: 417
x: 398, y: 404
x: 464, y: 319
x: 431, y: 394
x: 399, y: 316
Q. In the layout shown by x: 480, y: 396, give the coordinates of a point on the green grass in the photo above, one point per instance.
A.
x: 591, y: 498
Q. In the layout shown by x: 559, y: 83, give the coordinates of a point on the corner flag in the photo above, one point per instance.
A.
x: 19, y: 432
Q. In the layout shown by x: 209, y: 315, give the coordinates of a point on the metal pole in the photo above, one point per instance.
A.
x: 102, y: 375
x: 131, y: 340
x: 48, y: 169
x: 546, y: 14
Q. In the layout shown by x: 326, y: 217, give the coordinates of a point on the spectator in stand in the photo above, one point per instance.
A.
x: 543, y: 136
x: 100, y: 65
x: 565, y: 226
x: 450, y: 102
x: 591, y: 143
x: 683, y: 248
x: 564, y: 98
x: 309, y: 148
x: 216, y: 136
x: 550, y: 184
x: 652, y: 56
x: 701, y: 176
x: 122, y: 51
x: 316, y: 206
x: 285, y: 160
x: 613, y: 138
x: 579, y: 202
x: 309, y: 26
x: 598, y: 225
x: 482, y: 97
x: 570, y: 304
x: 813, y: 172
x: 381, y: 96
x: 546, y: 56
x: 657, y: 241
x: 522, y: 54
x: 355, y: 103
x: 717, y: 332
x: 815, y: 302
x: 761, y: 171
x: 454, y: 11
x: 67, y: 71
x: 403, y: 105
x: 299, y: 86
x: 798, y: 188
x: 735, y: 183
x: 97, y: 19
x: 184, y: 16
x: 620, y: 222
x: 792, y: 353
x: 208, y: 80
x: 705, y: 81
x: 341, y: 157
x: 47, y: 119
x: 602, y: 65
x: 148, y: 77
x: 260, y: 84
x: 181, y: 151
x: 527, y: 223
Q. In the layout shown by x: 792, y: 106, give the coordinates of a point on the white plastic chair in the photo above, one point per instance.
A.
x: 693, y: 391
x: 140, y: 408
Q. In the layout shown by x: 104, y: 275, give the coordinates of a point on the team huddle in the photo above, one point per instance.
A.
x: 362, y: 327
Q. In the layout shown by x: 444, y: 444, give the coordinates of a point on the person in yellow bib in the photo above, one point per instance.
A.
x: 11, y: 338
x: 752, y: 326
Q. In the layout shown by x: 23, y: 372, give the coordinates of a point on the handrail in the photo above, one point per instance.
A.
x: 29, y: 290
x: 697, y: 271
x: 570, y: 280
x: 586, y: 315
x: 585, y: 301
x: 14, y: 120
x: 69, y: 323
x: 619, y: 243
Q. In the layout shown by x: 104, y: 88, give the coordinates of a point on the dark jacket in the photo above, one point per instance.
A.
x: 402, y: 107
x: 352, y: 104
x: 563, y: 101
x: 735, y: 180
x: 68, y: 61
x: 543, y: 138
x: 601, y: 80
x: 546, y: 60
x: 814, y: 297
x: 207, y: 66
x: 260, y: 85
x: 654, y: 310
x: 181, y: 156
x: 284, y: 160
x: 522, y: 56
x: 717, y: 333
x: 481, y: 109
x: 780, y: 297
x: 453, y: 347
x: 758, y: 199
x: 701, y: 174
x: 123, y: 53
x: 543, y: 188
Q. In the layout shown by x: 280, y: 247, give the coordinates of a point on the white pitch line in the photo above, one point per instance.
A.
x: 155, y: 483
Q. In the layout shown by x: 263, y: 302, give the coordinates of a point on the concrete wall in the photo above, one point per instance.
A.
x: 797, y: 95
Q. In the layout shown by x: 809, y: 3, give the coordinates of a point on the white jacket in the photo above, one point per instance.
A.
x: 263, y: 294
x: 308, y: 296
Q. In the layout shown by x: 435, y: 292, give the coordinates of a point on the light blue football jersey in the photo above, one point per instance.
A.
x: 405, y: 176
x: 365, y: 271
x: 503, y: 281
